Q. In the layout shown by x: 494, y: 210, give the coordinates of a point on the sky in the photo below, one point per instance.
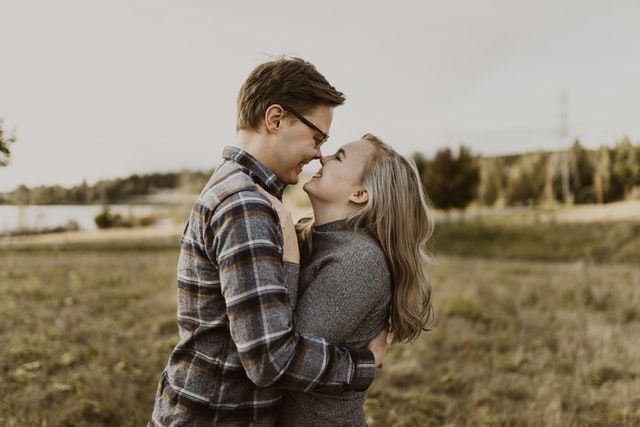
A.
x: 101, y: 89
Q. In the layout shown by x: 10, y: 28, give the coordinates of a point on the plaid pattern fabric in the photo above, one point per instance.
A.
x: 237, y: 346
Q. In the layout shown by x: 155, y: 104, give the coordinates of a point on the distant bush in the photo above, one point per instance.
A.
x: 108, y: 219
x: 145, y: 221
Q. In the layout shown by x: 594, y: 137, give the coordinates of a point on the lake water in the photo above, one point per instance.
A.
x: 51, y: 216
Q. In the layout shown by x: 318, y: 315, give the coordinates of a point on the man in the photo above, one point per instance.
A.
x: 237, y: 270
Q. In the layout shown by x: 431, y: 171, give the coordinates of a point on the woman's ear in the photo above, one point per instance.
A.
x: 273, y: 118
x: 360, y: 196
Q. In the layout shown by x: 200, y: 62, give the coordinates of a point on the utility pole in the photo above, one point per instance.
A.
x: 564, y: 132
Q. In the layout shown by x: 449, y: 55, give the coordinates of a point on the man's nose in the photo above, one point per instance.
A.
x: 318, y: 154
x: 323, y: 160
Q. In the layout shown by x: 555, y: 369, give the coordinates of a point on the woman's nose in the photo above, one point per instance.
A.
x: 323, y: 160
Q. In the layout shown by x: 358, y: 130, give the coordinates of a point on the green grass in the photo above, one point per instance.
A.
x: 86, y: 334
x: 504, y: 239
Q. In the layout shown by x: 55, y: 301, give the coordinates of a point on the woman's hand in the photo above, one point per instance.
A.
x: 291, y: 250
x: 378, y: 346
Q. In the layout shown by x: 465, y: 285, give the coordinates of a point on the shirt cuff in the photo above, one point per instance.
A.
x: 364, y: 369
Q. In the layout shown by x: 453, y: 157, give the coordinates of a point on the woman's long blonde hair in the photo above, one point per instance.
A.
x: 398, y: 216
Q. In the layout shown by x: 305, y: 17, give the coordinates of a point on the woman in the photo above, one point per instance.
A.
x: 363, y: 261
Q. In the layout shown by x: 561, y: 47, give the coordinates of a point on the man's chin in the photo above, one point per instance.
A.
x: 290, y: 179
x: 293, y: 180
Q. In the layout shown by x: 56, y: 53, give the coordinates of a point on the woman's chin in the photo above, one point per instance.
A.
x: 308, y: 186
x: 310, y: 193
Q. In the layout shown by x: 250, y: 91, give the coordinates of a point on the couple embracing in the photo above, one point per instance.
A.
x: 283, y: 324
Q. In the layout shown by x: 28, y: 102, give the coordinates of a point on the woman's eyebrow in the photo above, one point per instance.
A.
x: 341, y: 151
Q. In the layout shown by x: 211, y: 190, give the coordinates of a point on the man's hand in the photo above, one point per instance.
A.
x: 291, y: 250
x: 378, y: 346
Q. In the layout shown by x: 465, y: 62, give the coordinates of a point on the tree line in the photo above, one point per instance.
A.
x: 577, y: 175
x: 109, y: 191
x: 453, y: 180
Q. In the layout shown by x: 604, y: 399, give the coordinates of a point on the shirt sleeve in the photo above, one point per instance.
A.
x: 244, y: 240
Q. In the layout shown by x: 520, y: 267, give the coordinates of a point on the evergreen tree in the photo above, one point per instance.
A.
x: 451, y: 182
x: 625, y: 169
x: 527, y: 178
x: 582, y: 173
x: 491, y: 187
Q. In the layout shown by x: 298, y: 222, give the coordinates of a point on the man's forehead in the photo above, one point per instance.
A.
x: 322, y: 112
x: 322, y: 117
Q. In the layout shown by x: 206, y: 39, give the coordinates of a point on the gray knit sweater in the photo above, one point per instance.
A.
x: 344, y: 296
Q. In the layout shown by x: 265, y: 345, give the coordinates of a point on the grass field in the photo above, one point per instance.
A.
x: 86, y: 335
x: 87, y: 330
x: 520, y: 343
x: 503, y: 238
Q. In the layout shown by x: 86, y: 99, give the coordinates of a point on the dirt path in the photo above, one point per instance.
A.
x: 619, y: 211
x: 115, y: 235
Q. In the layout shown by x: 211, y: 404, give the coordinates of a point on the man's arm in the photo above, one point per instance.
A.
x: 247, y: 247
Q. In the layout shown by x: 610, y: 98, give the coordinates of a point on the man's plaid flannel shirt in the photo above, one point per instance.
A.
x: 237, y: 345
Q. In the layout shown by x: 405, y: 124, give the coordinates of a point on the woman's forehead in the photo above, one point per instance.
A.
x: 359, y: 147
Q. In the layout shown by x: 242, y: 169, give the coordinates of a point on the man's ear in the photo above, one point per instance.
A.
x: 360, y: 196
x: 273, y: 118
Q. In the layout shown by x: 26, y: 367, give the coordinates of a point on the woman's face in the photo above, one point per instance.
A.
x: 341, y: 173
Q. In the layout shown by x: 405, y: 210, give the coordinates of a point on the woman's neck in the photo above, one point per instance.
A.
x: 326, y: 213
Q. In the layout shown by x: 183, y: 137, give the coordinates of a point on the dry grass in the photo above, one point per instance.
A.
x: 520, y: 343
x: 86, y: 334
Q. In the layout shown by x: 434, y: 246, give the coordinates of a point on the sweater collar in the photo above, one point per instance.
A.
x: 339, y: 225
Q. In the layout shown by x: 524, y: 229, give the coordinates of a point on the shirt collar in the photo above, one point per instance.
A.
x: 256, y: 170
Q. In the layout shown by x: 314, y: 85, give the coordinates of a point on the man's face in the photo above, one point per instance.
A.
x: 299, y: 144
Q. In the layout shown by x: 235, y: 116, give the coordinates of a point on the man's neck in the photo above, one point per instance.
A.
x: 258, y: 146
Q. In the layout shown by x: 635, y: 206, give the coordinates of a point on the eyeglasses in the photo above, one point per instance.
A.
x: 308, y: 123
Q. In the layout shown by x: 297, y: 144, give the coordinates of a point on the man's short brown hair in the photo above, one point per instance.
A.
x: 290, y: 82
